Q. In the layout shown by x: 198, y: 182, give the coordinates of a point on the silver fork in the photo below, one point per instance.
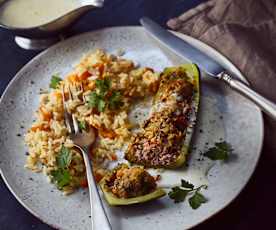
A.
x: 82, y: 141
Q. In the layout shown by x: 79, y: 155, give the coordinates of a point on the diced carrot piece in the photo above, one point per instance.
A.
x: 98, y: 177
x: 100, y: 67
x: 84, y: 75
x: 91, y: 85
x: 73, y: 78
x: 84, y: 183
x: 35, y: 128
x: 57, y: 94
x: 107, y: 133
x: 46, y: 115
x: 43, y: 127
x: 114, y: 157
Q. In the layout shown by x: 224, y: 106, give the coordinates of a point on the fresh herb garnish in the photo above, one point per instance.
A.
x: 55, y: 80
x: 179, y: 194
x: 196, y: 200
x: 101, y: 105
x: 103, y: 86
x: 221, y: 151
x: 96, y: 101
x: 101, y: 98
x: 82, y: 125
x: 186, y: 184
x: 61, y: 176
x: 64, y: 158
x: 115, y: 100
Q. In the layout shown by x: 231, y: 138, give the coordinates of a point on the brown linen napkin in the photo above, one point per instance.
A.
x: 245, y: 32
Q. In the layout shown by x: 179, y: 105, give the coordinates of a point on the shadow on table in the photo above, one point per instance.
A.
x: 254, y: 208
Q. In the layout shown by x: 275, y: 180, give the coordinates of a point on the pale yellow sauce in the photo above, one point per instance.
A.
x: 31, y: 13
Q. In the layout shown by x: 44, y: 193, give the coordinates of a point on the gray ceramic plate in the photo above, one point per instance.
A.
x: 223, y: 115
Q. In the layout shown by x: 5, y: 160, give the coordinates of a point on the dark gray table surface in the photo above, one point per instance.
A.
x: 255, y: 206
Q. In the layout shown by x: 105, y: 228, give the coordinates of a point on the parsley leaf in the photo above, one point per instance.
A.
x: 61, y: 177
x: 55, y: 81
x: 221, y: 151
x: 103, y: 86
x: 64, y: 158
x: 101, y: 99
x: 101, y: 105
x: 186, y: 184
x: 82, y: 125
x: 96, y: 101
x: 115, y: 100
x: 93, y: 100
x: 196, y: 200
x: 178, y: 194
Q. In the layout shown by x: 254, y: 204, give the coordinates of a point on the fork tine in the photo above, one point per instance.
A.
x: 75, y: 122
x: 81, y: 89
x: 67, y: 117
x: 70, y: 93
x: 83, y: 99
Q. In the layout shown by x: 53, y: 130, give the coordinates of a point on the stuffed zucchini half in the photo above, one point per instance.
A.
x: 165, y: 137
x: 129, y: 185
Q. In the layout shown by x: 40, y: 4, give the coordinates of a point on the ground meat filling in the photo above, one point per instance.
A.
x: 130, y: 182
x: 159, y: 143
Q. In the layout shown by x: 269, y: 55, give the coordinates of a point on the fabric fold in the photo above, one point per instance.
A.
x: 245, y: 32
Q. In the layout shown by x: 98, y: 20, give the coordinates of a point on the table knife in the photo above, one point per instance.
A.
x: 207, y: 64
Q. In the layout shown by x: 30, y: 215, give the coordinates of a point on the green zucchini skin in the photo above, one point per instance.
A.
x: 193, y: 76
x: 194, y: 72
x: 112, y: 200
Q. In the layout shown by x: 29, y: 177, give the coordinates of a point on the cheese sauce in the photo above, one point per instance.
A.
x: 31, y: 13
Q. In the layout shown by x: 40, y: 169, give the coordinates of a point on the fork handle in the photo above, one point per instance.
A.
x: 98, y: 215
x: 264, y: 104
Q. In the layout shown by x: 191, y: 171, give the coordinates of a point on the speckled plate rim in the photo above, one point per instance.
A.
x: 196, y: 43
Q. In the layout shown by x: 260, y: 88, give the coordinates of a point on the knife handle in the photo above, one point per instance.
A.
x: 264, y: 104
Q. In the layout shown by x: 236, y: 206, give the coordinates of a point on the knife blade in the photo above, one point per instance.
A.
x: 181, y: 47
x: 206, y: 63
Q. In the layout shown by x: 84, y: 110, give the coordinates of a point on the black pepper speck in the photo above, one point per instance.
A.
x: 18, y: 134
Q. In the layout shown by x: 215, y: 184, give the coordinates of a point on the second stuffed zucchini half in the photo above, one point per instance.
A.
x: 166, y: 135
x: 126, y: 185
